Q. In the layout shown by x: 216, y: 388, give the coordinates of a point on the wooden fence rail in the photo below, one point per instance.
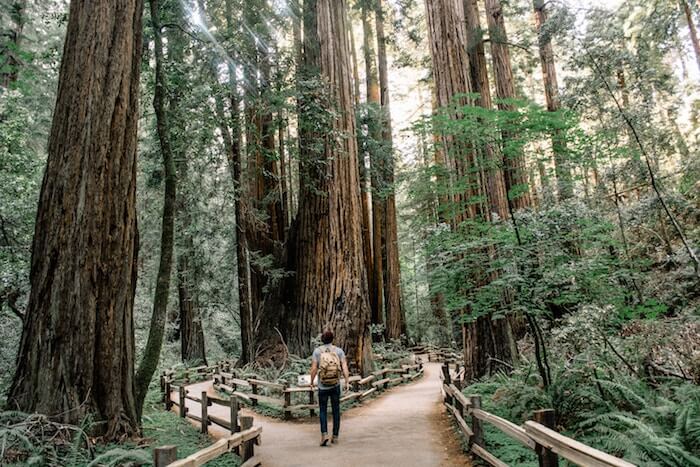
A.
x: 539, y: 435
x: 251, y: 391
x: 241, y: 442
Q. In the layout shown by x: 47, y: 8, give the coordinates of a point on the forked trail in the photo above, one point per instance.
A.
x: 406, y: 427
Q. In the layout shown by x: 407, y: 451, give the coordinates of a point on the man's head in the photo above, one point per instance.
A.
x: 327, y: 336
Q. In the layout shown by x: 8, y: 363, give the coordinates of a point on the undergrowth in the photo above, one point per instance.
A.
x: 603, y: 399
x: 34, y: 440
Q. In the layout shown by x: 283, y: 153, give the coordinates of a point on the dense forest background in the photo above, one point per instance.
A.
x: 519, y: 180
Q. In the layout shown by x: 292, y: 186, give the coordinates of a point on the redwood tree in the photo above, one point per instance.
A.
x: 395, y: 317
x: 515, y: 170
x: 151, y: 354
x: 77, y: 350
x: 551, y: 92
x: 331, y: 282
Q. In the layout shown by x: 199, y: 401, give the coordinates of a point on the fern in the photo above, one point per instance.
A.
x: 120, y: 456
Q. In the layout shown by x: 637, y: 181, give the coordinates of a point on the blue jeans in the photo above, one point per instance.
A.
x: 334, y: 395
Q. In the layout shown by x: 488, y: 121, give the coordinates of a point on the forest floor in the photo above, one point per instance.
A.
x: 405, y: 427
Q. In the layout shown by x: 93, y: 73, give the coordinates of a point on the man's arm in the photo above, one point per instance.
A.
x: 346, y: 373
x: 314, y: 370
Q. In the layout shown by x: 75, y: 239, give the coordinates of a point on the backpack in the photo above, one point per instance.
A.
x: 329, y: 367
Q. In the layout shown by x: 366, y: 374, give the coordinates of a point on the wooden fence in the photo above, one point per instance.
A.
x: 242, y: 443
x: 287, y: 398
x: 539, y: 435
x: 437, y: 354
x: 243, y: 435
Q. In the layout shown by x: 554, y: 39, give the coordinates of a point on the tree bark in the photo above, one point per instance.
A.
x: 395, y: 316
x: 192, y: 348
x: 376, y: 272
x: 232, y: 145
x: 494, y: 178
x: 515, y: 170
x: 151, y: 354
x: 331, y: 283
x: 450, y: 64
x: 562, y: 167
x: 76, y: 355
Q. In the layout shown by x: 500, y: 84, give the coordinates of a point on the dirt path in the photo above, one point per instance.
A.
x: 405, y: 427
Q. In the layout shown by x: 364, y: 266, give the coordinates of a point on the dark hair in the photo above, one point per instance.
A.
x: 327, y: 336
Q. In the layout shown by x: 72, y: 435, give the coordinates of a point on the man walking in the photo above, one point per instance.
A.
x: 328, y: 361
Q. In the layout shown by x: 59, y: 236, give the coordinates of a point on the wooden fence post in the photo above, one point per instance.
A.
x: 168, y: 401
x: 287, y: 402
x: 164, y: 455
x: 205, y: 412
x: 312, y: 401
x: 447, y: 379
x: 233, y: 407
x: 254, y: 389
x: 183, y: 409
x: 546, y: 457
x: 247, y: 447
x: 446, y: 373
x: 477, y: 425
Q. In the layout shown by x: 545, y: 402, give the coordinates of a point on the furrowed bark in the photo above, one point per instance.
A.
x: 76, y: 356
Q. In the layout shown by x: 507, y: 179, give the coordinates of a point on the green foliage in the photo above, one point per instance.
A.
x: 650, y: 309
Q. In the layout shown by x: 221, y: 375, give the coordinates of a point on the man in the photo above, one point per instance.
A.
x: 327, y: 362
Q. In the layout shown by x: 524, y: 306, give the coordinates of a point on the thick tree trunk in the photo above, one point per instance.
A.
x: 11, y: 44
x: 562, y: 166
x: 232, y: 142
x: 448, y: 48
x: 77, y: 350
x: 376, y: 272
x: 151, y: 354
x: 515, y: 170
x: 365, y: 187
x: 268, y: 229
x: 483, y: 338
x: 191, y: 331
x: 494, y: 180
x: 395, y: 317
x: 331, y: 283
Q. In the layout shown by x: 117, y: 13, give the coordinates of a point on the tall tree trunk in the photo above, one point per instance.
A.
x: 233, y: 149
x: 151, y: 354
x: 562, y: 166
x: 191, y: 330
x: 76, y: 355
x: 11, y: 44
x: 450, y: 63
x: 331, y: 283
x: 515, y: 170
x: 483, y: 338
x: 267, y: 230
x: 494, y: 179
x: 692, y: 29
x: 395, y: 316
x: 365, y: 187
x: 376, y: 273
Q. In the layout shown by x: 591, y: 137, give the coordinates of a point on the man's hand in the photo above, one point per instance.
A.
x: 347, y: 387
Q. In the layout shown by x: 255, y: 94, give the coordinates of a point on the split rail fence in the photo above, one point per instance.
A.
x: 539, y: 435
x: 290, y: 399
x: 251, y: 391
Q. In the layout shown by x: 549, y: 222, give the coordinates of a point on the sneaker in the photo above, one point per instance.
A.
x: 324, y: 440
x: 334, y: 440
